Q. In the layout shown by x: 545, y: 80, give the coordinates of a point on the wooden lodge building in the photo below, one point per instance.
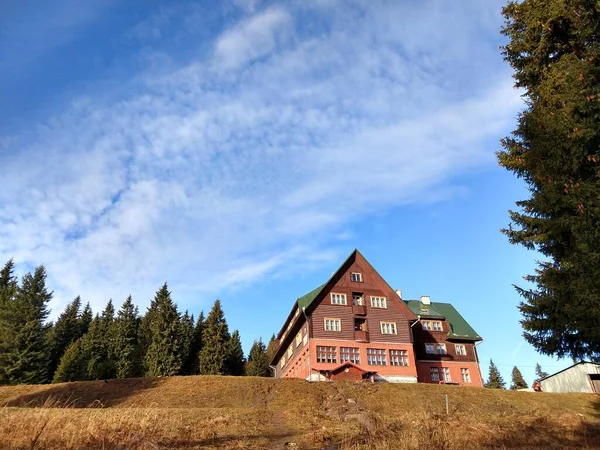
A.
x: 356, y: 327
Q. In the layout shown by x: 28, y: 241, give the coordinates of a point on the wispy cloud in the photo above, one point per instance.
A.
x: 240, y: 164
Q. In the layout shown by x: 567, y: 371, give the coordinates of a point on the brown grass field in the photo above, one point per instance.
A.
x: 258, y: 413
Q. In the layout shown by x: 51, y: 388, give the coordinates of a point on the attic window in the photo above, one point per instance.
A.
x: 356, y: 277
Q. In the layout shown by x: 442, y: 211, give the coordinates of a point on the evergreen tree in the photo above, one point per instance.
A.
x: 554, y: 49
x: 8, y: 290
x: 65, y: 331
x: 518, y: 382
x: 539, y: 373
x: 85, y: 319
x: 495, y: 380
x: 163, y: 357
x: 257, y: 360
x: 186, y: 335
x: 196, y: 344
x: 126, y: 347
x: 73, y: 364
x: 99, y: 344
x: 235, y: 355
x: 215, y: 337
x: 27, y: 359
x: 271, y: 350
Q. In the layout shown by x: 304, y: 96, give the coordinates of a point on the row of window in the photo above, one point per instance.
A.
x: 430, y: 325
x: 440, y: 349
x: 330, y: 324
x: 375, y: 356
x: 357, y: 299
x: 434, y: 372
x: 301, y: 338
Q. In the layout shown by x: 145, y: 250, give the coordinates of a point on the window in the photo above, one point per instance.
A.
x: 356, y: 276
x: 305, y: 339
x: 351, y: 354
x: 376, y: 357
x: 388, y: 327
x: 437, y: 326
x: 378, y: 302
x: 398, y: 358
x: 466, y: 376
x: 435, y: 375
x: 282, y: 363
x: 290, y: 350
x: 441, y: 348
x: 333, y: 324
x: 446, y: 374
x: 430, y: 349
x: 338, y: 299
x: 357, y: 299
x: 426, y: 325
x: 326, y: 354
x: 298, y: 338
x: 460, y: 349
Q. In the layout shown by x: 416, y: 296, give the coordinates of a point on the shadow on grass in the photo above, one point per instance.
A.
x: 84, y: 394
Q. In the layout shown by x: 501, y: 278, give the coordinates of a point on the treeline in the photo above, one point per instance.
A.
x: 495, y: 380
x: 114, y: 344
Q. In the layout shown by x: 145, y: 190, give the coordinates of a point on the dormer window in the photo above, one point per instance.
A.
x: 356, y: 277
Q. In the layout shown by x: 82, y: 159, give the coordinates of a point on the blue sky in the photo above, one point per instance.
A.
x: 242, y: 149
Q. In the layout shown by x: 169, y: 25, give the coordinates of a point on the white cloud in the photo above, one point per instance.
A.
x: 253, y: 38
x: 211, y: 179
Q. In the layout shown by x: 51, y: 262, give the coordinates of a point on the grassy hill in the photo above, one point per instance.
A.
x: 253, y: 413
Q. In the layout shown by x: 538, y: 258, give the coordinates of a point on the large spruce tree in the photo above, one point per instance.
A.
x: 518, y: 382
x: 257, y: 360
x: 163, y: 357
x: 73, y: 365
x: 187, y: 332
x: 28, y: 356
x: 554, y: 49
x: 98, y: 346
x: 215, y: 339
x: 65, y: 331
x: 126, y: 348
x: 8, y: 291
x: 495, y: 380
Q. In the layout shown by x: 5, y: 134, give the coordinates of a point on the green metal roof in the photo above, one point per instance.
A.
x: 459, y: 326
x: 306, y: 300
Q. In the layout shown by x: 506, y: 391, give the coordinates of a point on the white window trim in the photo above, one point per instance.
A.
x: 438, y: 345
x: 360, y: 277
x: 427, y: 344
x: 343, y: 297
x: 382, y: 300
x: 463, y: 347
x: 382, y: 327
x: 325, y: 319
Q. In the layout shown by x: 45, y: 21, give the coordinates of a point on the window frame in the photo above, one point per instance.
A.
x: 391, y: 325
x: 298, y: 338
x: 378, y: 355
x: 462, y: 352
x: 465, y: 371
x: 332, y: 319
x: 434, y: 371
x: 400, y: 355
x: 439, y: 345
x: 438, y: 323
x: 356, y: 279
x: 381, y: 300
x: 446, y: 375
x: 426, y: 325
x: 353, y: 354
x: 427, y: 345
x: 330, y: 353
x: 343, y: 299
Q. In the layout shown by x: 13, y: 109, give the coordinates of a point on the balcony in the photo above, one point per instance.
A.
x: 359, y: 310
x: 361, y: 336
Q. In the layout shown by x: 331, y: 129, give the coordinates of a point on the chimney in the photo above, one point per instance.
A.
x: 399, y: 292
x: 426, y: 299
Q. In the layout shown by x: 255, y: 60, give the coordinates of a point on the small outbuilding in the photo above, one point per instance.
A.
x: 581, y: 377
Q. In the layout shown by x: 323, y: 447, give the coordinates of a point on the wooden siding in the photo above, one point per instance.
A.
x: 372, y: 285
x: 421, y: 337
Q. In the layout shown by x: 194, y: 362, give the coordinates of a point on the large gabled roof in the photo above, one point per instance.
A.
x: 460, y: 328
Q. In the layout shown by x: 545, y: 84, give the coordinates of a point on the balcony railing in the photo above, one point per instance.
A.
x: 359, y: 310
x: 361, y: 336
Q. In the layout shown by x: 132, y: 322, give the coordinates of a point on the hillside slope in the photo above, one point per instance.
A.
x: 246, y: 412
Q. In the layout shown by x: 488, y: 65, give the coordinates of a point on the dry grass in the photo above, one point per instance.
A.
x: 254, y: 413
